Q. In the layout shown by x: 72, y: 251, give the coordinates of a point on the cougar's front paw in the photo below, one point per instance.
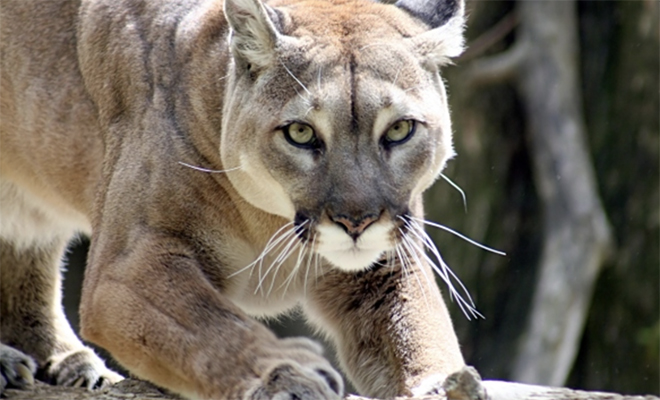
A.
x: 79, y: 368
x: 290, y: 380
x: 16, y: 368
x: 299, y: 371
x: 430, y: 385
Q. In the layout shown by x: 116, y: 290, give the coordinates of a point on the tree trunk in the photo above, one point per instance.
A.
x: 576, y: 232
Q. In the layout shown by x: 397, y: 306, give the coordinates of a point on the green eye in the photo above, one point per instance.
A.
x: 299, y: 134
x: 400, y: 131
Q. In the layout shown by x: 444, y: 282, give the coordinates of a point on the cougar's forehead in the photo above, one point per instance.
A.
x: 344, y: 21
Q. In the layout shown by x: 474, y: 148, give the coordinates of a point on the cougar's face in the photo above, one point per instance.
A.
x: 341, y: 143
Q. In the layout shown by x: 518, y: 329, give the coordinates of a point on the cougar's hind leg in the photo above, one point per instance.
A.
x: 33, y: 329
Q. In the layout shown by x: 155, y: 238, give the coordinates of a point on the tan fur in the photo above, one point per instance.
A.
x: 105, y: 106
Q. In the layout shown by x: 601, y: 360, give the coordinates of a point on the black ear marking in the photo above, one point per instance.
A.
x: 434, y: 12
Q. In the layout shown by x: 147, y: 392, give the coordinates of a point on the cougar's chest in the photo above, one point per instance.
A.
x: 268, y: 285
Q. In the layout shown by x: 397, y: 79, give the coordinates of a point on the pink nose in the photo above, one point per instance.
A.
x: 354, y: 227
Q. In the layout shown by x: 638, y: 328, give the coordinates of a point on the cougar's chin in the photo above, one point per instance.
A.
x: 353, y: 259
x: 347, y: 254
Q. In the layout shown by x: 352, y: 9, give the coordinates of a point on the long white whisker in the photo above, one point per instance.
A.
x: 447, y: 272
x: 419, y: 263
x: 396, y: 77
x: 443, y: 271
x: 279, y: 261
x: 467, y: 239
x: 274, y: 244
x: 296, y: 79
x: 267, y: 248
x: 210, y: 171
x: 389, y: 260
x: 421, y: 235
x: 467, y: 307
x: 317, y: 257
x: 455, y: 186
x: 399, y: 254
x: 309, y: 264
x: 301, y: 252
x: 283, y: 254
x: 278, y: 244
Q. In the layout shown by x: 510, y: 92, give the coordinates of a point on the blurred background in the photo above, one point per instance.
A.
x: 556, y: 117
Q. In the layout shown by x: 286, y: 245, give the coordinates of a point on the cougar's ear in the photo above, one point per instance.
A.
x: 445, y: 38
x: 254, y: 32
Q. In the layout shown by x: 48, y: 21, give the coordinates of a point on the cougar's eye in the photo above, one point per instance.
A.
x: 400, y: 131
x: 301, y: 135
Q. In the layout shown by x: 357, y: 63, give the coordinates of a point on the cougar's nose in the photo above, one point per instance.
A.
x: 355, y: 226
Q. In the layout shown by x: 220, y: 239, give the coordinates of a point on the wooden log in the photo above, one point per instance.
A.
x: 463, y: 385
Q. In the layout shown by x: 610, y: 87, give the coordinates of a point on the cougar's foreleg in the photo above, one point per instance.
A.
x: 158, y: 314
x: 392, y: 328
x: 34, y: 325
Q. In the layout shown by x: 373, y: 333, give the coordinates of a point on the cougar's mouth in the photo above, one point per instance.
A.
x: 345, y: 249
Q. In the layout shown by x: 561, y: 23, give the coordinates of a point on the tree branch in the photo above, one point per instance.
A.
x: 496, y: 69
x: 489, y: 38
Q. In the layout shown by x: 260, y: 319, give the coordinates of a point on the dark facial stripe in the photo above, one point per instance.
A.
x: 352, y: 66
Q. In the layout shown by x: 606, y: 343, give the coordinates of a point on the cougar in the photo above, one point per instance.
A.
x: 231, y: 161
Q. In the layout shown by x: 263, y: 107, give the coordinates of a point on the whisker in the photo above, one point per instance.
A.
x: 296, y: 79
x: 284, y: 254
x: 280, y: 259
x: 428, y: 243
x: 309, y: 264
x: 267, y: 248
x: 421, y: 235
x: 419, y: 263
x: 443, y: 270
x: 284, y: 245
x: 290, y: 236
x: 210, y: 171
x: 277, y: 264
x: 317, y: 257
x: 455, y: 186
x: 390, y: 256
x: 467, y: 239
x: 396, y: 77
x: 398, y: 250
x: 301, y: 252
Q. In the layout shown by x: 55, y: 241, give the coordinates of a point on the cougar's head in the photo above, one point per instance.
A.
x: 336, y: 114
